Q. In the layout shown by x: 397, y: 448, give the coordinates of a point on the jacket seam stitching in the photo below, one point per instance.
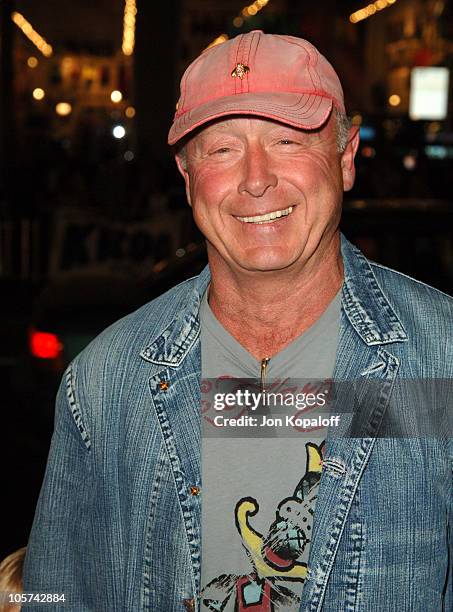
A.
x: 75, y: 408
x: 411, y: 278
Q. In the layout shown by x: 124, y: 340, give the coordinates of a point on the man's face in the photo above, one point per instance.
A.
x: 240, y: 170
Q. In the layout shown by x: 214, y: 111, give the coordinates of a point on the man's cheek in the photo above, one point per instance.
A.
x: 200, y: 217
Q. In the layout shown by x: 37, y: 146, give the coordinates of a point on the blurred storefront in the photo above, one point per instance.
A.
x: 94, y: 86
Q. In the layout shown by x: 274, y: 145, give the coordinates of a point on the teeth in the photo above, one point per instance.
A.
x: 273, y: 216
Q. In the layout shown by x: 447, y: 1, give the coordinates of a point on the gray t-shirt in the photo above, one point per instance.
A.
x: 259, y: 490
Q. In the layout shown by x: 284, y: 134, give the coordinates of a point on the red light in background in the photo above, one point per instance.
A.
x: 44, y: 345
x: 369, y: 152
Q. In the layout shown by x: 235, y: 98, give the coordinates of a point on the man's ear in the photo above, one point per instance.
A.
x: 347, y: 158
x: 182, y: 167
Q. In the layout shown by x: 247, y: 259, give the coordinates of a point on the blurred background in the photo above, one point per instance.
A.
x: 93, y: 218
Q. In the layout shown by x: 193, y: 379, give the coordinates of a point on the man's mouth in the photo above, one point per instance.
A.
x: 269, y: 218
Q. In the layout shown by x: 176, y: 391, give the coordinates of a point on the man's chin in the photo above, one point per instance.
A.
x: 266, y: 266
x: 256, y: 260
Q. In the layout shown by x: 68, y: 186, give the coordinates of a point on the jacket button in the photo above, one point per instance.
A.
x: 195, y: 490
x: 189, y: 604
x: 163, y: 385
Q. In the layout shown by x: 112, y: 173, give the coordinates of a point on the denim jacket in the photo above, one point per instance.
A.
x: 117, y: 526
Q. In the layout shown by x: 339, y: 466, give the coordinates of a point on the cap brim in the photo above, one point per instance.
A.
x: 306, y: 111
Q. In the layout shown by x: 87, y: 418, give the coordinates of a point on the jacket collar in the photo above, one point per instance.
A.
x: 363, y: 301
x: 172, y: 344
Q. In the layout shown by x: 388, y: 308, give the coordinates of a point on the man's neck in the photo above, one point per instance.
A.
x: 266, y: 312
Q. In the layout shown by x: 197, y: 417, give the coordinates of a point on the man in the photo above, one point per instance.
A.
x: 266, y: 152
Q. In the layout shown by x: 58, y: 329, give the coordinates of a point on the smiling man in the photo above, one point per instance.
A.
x: 267, y: 197
x: 353, y: 515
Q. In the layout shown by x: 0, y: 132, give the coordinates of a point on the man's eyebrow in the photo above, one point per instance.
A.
x: 219, y: 127
x: 208, y: 134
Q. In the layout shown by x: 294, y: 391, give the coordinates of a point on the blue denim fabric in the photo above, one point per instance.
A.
x: 117, y: 526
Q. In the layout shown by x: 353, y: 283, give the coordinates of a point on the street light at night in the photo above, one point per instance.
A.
x: 119, y: 132
x: 370, y: 9
x: 394, y: 100
x: 39, y: 93
x: 29, y: 31
x: 130, y: 11
x: 63, y: 109
x: 248, y: 11
x: 116, y: 96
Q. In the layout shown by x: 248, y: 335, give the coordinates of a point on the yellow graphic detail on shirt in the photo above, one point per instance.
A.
x: 254, y: 542
x: 276, y: 557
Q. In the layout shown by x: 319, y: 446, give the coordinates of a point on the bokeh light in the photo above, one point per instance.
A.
x: 116, y: 96
x: 394, y: 100
x: 39, y: 93
x: 130, y: 12
x: 32, y: 35
x: 410, y: 161
x: 63, y: 109
x: 119, y: 131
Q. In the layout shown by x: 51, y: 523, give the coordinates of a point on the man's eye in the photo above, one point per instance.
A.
x: 220, y: 150
x: 287, y: 141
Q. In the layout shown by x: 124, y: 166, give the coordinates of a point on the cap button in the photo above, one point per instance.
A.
x: 240, y: 71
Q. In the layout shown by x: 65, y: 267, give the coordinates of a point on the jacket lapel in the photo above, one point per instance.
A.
x: 364, y: 375
x: 174, y: 383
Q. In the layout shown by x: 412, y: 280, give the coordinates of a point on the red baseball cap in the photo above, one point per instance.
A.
x: 268, y: 75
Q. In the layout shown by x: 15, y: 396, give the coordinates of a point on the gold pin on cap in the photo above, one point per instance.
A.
x: 240, y: 71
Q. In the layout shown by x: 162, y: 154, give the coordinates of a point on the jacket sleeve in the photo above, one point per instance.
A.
x: 448, y: 590
x: 58, y: 552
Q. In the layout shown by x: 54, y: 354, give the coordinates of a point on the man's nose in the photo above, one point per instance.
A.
x: 257, y: 174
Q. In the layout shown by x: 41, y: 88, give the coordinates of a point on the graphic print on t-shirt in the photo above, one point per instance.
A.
x: 275, y: 558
